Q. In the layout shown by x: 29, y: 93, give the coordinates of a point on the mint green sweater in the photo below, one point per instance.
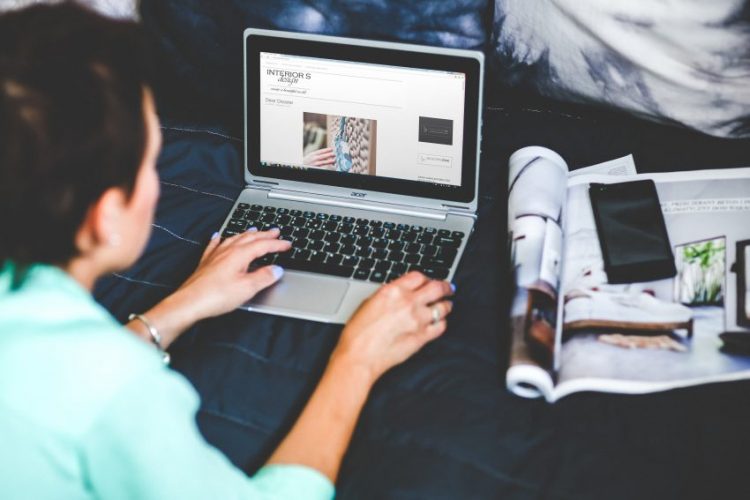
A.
x: 87, y: 410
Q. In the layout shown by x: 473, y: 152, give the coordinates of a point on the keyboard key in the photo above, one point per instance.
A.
x: 295, y: 212
x: 334, y: 259
x: 363, y: 252
x: 364, y: 241
x: 300, y: 243
x: 348, y: 239
x: 361, y: 230
x: 361, y: 274
x: 257, y: 208
x: 382, y: 265
x: 269, y: 209
x: 243, y: 206
x: 335, y: 218
x: 317, y: 234
x: 444, y: 232
x: 238, y: 214
x: 301, y: 232
x: 398, y: 267
x: 377, y: 232
x: 377, y: 276
x: 283, y: 219
x: 362, y: 222
x: 316, y: 267
x: 393, y: 234
x: 345, y: 228
x: 446, y: 241
x: 316, y: 245
x: 389, y: 225
x: 282, y: 211
x: 376, y: 223
x: 322, y: 216
x: 268, y: 217
x: 436, y: 273
x: 313, y: 223
x: 351, y: 260
x: 318, y: 257
x: 366, y: 263
x: 330, y: 225
x: 349, y: 220
x: 380, y: 253
x: 332, y: 237
x: 380, y: 243
x: 228, y: 233
x: 434, y: 262
x: 402, y: 227
x: 396, y: 245
x: 429, y: 250
x: 412, y: 258
x: 412, y: 248
x: 430, y: 230
x: 308, y: 215
x: 395, y: 256
x: 348, y: 250
x: 425, y: 239
x: 457, y: 235
x: 332, y: 248
x: 299, y: 221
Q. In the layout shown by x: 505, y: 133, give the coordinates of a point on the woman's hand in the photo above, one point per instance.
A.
x: 325, y: 158
x: 394, y: 323
x: 221, y: 282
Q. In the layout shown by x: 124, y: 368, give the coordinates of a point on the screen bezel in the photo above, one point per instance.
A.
x: 741, y: 268
x: 470, y: 66
x: 642, y: 271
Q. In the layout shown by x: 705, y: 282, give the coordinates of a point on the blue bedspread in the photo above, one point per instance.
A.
x: 442, y: 425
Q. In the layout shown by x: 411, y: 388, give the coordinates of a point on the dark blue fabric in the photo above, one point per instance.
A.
x: 442, y: 425
x: 199, y: 43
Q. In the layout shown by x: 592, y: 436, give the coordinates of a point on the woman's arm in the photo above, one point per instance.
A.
x: 388, y: 328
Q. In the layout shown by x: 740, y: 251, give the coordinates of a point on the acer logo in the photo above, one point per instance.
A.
x: 357, y: 194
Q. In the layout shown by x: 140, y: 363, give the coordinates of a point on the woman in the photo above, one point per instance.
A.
x: 85, y: 409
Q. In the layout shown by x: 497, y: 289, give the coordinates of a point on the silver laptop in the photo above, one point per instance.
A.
x: 366, y: 155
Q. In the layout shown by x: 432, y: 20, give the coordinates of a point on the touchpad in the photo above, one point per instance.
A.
x: 305, y: 293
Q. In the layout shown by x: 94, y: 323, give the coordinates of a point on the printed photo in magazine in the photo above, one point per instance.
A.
x: 573, y: 331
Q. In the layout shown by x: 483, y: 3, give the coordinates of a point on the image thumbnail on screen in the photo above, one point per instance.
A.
x: 340, y: 143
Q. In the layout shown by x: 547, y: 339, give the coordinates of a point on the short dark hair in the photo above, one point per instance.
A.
x: 72, y: 124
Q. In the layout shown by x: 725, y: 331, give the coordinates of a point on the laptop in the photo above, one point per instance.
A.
x: 365, y: 155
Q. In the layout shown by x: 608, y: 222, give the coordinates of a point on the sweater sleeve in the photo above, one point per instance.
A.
x: 145, y: 444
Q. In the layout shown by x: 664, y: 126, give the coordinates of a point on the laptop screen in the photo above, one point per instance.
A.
x: 336, y: 114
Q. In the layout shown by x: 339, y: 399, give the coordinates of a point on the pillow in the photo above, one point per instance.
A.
x: 684, y: 61
x: 200, y: 42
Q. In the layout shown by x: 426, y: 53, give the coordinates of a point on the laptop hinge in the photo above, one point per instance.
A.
x: 375, y: 207
x: 459, y: 210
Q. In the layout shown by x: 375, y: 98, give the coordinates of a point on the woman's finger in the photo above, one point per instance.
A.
x: 411, y: 280
x: 251, y: 235
x: 213, y: 243
x: 258, y: 248
x: 432, y: 291
x: 432, y: 313
x: 262, y: 278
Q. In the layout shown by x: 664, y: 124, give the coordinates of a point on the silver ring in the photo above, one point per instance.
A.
x: 435, y: 314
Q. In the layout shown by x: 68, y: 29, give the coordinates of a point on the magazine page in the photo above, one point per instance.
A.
x: 645, y: 337
x: 536, y: 195
x: 536, y: 198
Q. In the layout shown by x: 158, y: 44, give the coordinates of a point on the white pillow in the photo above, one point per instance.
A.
x: 686, y: 61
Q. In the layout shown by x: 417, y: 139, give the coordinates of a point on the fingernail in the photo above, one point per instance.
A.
x: 453, y: 288
x: 252, y: 228
x: 277, y: 271
x: 215, y: 235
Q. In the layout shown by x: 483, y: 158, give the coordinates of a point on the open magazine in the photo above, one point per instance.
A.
x: 572, y: 331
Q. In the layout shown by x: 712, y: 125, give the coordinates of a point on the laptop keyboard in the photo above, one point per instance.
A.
x: 363, y: 249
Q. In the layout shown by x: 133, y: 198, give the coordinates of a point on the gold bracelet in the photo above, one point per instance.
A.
x: 154, y: 333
